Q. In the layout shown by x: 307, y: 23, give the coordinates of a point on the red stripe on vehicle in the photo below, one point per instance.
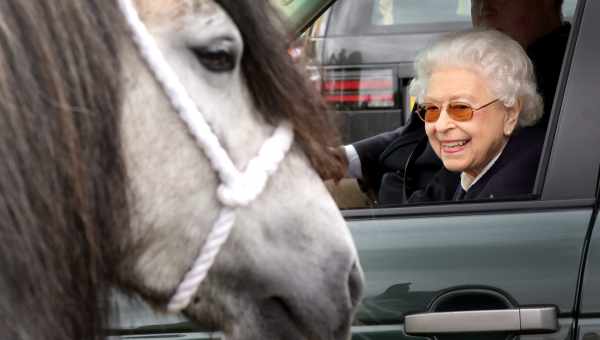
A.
x: 356, y: 84
x: 359, y: 98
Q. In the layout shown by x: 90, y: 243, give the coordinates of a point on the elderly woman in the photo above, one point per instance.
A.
x: 477, y: 92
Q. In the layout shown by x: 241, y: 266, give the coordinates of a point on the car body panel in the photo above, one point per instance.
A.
x: 590, y: 299
x: 397, y: 333
x: 588, y: 322
x: 589, y: 329
x: 408, y: 261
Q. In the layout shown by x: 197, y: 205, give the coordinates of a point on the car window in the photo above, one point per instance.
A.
x: 364, y: 51
x: 399, y: 12
x: 397, y: 16
x: 569, y: 7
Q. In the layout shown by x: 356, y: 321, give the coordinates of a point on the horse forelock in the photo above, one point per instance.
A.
x: 61, y: 190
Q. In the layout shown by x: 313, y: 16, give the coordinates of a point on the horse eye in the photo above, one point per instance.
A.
x: 215, y: 59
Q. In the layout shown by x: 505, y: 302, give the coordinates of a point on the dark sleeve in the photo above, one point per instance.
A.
x: 370, y: 149
x: 441, y: 188
x: 387, y: 153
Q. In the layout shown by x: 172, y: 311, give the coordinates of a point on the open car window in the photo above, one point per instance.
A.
x: 398, y: 16
x: 363, y: 52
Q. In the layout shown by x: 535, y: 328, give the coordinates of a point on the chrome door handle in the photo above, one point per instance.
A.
x: 530, y: 320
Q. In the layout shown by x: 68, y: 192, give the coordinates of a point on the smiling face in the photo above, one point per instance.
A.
x: 470, y: 145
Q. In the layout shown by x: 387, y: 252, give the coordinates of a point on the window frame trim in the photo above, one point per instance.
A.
x: 458, y: 208
x: 557, y: 106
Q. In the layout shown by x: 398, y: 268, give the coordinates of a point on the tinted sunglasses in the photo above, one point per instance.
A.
x: 460, y: 112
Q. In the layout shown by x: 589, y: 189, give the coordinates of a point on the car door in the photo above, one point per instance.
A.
x: 499, y: 269
x: 583, y: 84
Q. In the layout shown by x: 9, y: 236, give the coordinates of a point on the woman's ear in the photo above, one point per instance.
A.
x: 512, y: 118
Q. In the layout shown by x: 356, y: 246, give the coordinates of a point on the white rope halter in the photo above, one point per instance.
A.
x: 237, y: 188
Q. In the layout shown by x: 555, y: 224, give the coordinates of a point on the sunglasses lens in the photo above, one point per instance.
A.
x: 430, y: 113
x: 460, y: 112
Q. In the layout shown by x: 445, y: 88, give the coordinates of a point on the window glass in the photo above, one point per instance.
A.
x: 397, y: 16
x: 569, y: 9
x: 367, y: 49
x: 401, y: 13
x: 131, y: 312
x: 406, y: 12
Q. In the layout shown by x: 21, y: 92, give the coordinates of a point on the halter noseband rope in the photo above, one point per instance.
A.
x: 237, y: 188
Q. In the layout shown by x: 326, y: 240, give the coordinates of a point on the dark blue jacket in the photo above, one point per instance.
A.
x: 511, y: 177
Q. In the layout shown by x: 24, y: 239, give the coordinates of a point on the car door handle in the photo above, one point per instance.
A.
x: 529, y: 320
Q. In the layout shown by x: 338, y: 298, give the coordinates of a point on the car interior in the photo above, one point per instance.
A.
x: 365, y: 85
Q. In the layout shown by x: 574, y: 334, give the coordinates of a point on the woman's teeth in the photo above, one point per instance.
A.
x: 455, y: 144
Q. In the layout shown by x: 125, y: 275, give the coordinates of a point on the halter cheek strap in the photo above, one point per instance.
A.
x: 237, y: 188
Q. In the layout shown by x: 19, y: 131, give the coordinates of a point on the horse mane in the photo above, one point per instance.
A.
x: 279, y: 89
x: 63, y: 201
x: 62, y: 194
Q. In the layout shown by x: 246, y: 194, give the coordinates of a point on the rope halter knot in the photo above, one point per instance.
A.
x: 237, y: 189
x: 245, y: 187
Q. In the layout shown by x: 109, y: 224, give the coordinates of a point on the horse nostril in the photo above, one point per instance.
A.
x: 355, y: 285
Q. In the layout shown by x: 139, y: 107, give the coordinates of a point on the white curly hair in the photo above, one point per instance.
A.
x: 500, y: 59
